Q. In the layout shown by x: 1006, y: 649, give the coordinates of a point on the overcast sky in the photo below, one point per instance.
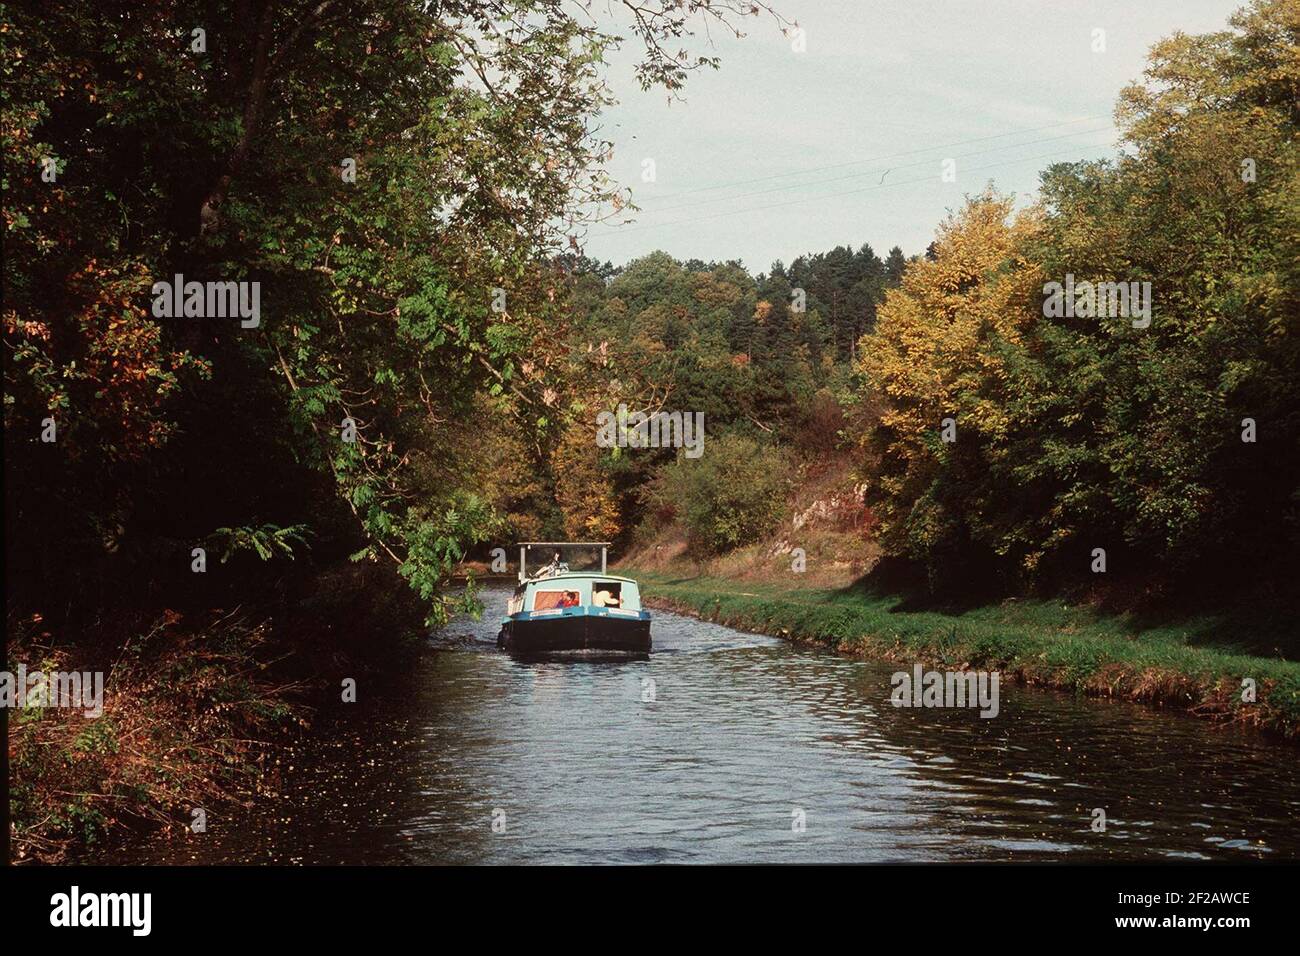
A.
x: 779, y: 152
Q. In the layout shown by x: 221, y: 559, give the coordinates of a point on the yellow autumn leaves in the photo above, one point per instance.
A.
x: 936, y: 350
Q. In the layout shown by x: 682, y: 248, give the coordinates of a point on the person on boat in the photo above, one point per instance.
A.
x: 604, y: 598
x: 570, y: 599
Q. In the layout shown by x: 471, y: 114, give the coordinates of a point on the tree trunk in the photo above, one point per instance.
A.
x: 210, y: 211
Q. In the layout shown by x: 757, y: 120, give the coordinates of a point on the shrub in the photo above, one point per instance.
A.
x: 731, y: 495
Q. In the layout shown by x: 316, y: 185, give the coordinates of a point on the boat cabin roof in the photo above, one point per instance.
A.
x: 563, y: 544
x: 576, y: 576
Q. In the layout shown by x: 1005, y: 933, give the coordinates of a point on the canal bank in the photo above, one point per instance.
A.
x: 1178, y: 666
x: 732, y: 747
x: 195, y: 710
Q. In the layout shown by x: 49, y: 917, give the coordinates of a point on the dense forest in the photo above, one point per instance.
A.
x: 389, y: 186
x: 408, y: 184
x: 993, y: 433
x: 767, y: 360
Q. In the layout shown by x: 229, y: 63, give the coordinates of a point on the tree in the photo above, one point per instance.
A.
x: 396, y: 177
x: 731, y: 496
x: 935, y: 341
x: 895, y: 264
x: 1120, y: 427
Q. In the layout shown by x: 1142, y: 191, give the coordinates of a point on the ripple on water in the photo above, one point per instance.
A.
x: 751, y: 750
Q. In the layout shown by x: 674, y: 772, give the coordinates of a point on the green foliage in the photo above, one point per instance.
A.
x: 99, y: 737
x: 709, y: 338
x: 734, y: 494
x: 845, y: 286
x: 437, y: 540
x: 267, y: 540
x: 1079, y: 432
x: 469, y: 128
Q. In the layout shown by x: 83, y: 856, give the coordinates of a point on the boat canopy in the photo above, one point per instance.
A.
x: 555, y: 566
x: 586, y: 589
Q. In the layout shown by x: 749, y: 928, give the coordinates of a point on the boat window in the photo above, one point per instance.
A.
x: 607, y: 594
x: 548, y: 600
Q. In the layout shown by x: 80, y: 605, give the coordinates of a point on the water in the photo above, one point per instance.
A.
x: 745, y: 736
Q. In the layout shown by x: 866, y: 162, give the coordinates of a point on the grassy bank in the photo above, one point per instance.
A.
x: 1182, y: 664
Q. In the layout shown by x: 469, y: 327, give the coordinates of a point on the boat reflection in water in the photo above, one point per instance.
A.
x: 562, y: 613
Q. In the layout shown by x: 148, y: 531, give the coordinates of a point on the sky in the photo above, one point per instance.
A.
x: 780, y: 153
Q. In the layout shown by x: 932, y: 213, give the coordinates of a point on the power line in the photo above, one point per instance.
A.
x: 878, y: 169
x: 619, y: 230
x: 854, y: 162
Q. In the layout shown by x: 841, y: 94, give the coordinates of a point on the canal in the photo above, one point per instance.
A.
x: 731, y: 747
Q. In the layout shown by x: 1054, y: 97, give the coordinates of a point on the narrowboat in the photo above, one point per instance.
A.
x: 561, y: 612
